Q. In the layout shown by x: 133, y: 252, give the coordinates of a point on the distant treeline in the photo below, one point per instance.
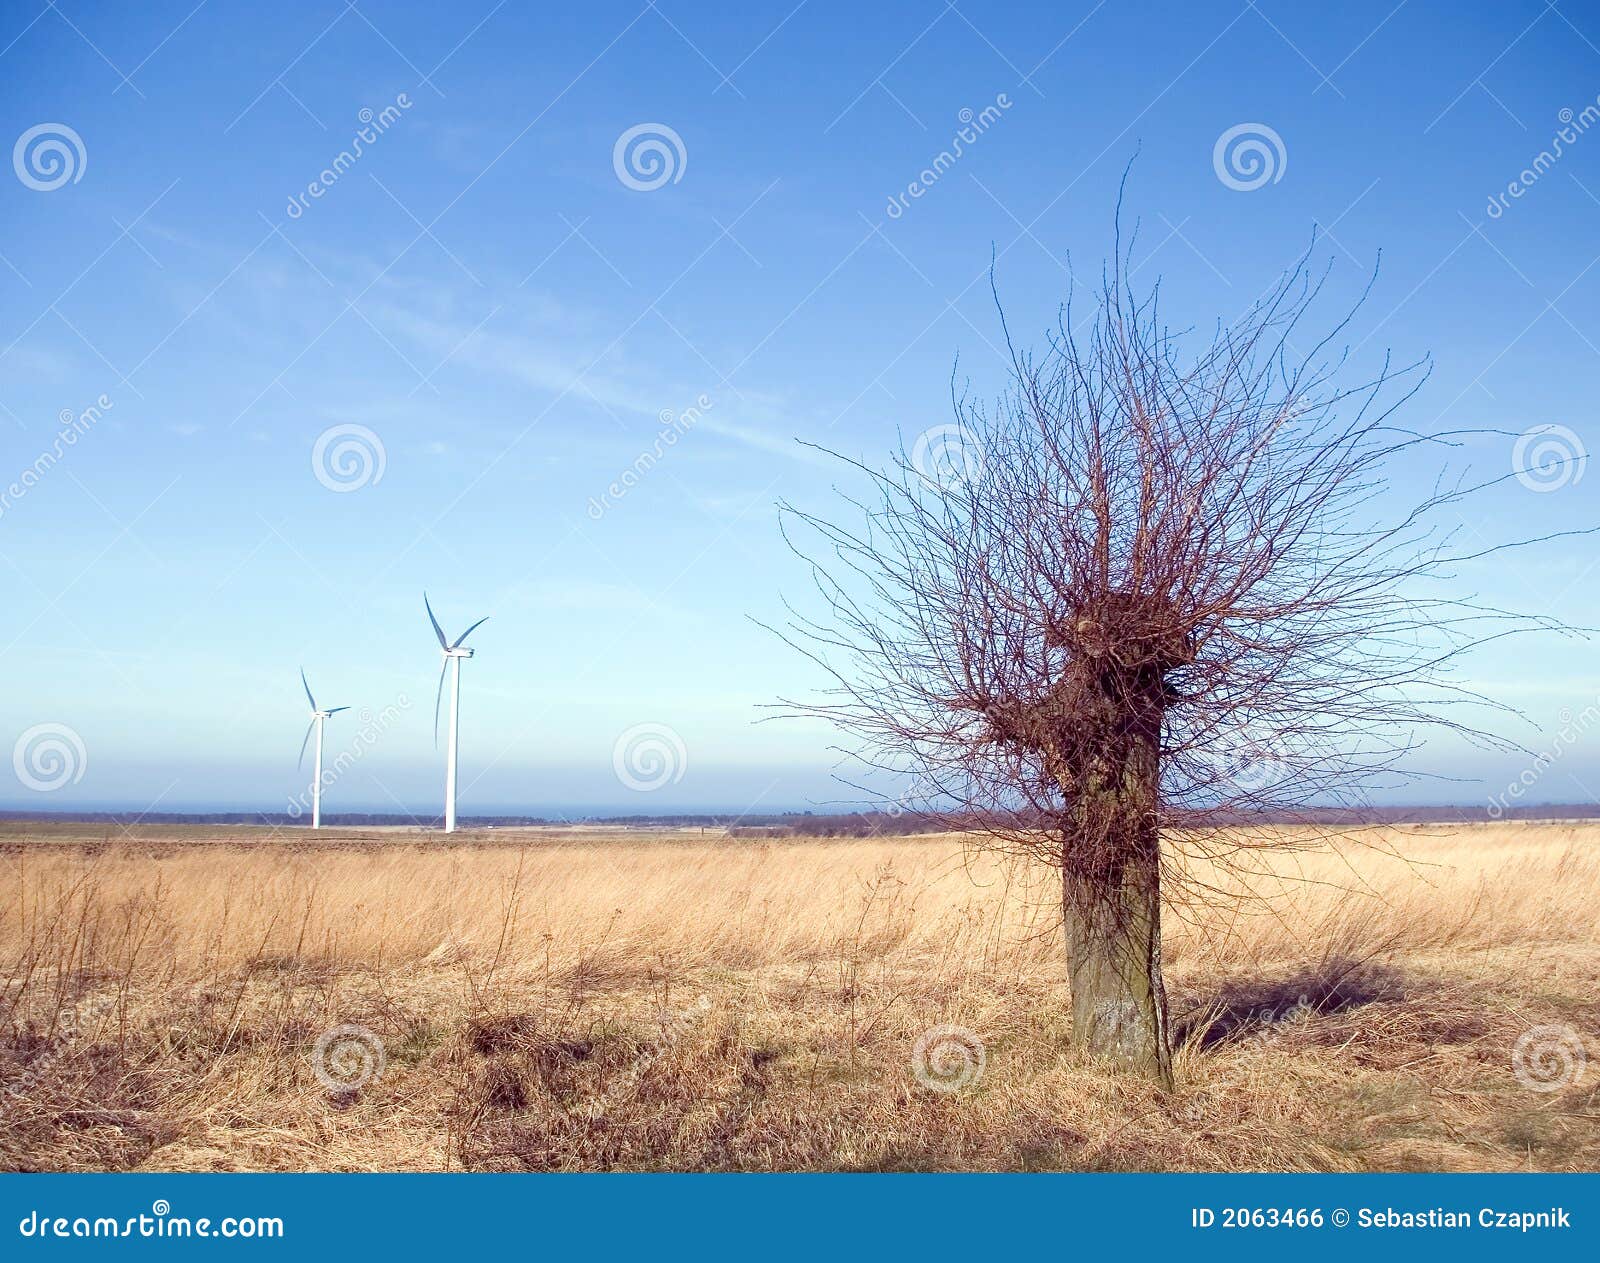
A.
x: 806, y: 823
x: 880, y: 824
x: 848, y: 824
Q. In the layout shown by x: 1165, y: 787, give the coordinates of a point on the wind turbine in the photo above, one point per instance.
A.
x: 318, y: 718
x: 453, y: 654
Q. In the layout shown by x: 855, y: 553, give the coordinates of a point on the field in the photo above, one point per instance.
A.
x: 223, y: 999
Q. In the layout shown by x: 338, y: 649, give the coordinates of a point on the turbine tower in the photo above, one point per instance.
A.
x: 453, y: 654
x: 318, y: 718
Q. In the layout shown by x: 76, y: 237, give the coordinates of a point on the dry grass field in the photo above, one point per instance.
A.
x: 568, y: 1001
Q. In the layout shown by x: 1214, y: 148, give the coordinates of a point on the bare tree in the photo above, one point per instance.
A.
x: 1141, y: 594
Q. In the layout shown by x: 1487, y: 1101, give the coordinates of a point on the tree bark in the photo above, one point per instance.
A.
x: 1119, y: 1003
x: 1111, y: 884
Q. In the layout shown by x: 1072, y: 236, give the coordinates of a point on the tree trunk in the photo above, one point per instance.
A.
x: 1119, y: 1004
x: 1111, y: 884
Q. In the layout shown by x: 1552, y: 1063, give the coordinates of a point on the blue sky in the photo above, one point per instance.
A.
x: 510, y: 317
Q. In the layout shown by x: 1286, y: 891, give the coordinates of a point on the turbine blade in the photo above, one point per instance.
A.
x: 469, y: 631
x: 307, y: 688
x: 309, y: 729
x: 439, y: 697
x: 437, y: 630
x: 337, y: 709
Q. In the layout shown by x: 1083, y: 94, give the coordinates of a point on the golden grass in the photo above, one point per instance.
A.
x: 627, y: 1001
